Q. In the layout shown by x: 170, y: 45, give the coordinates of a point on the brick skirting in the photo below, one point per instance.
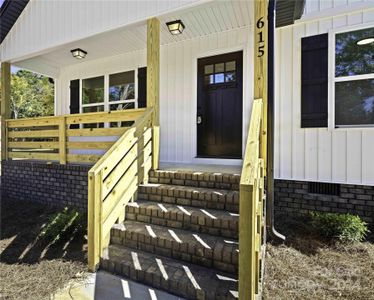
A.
x: 292, y: 197
x: 52, y: 184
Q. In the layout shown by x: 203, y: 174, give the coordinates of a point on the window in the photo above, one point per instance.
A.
x: 122, y: 87
x: 354, y: 79
x: 93, y: 97
x: 93, y: 93
x: 108, y: 93
x: 220, y: 73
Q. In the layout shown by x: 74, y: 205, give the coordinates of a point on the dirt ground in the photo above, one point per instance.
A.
x: 33, y: 267
x: 307, y: 266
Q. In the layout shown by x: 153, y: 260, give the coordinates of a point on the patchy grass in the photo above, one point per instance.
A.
x: 308, y: 266
x: 33, y: 264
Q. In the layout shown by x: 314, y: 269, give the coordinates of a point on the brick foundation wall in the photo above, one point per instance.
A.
x: 292, y: 197
x: 51, y: 184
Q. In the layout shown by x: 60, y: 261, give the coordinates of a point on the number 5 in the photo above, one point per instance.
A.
x: 261, y: 51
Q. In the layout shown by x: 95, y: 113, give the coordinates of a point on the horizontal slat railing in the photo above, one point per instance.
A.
x: 114, y: 180
x: 251, y: 221
x: 66, y: 138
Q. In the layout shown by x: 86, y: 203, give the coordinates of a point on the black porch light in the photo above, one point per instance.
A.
x: 175, y: 27
x: 78, y: 53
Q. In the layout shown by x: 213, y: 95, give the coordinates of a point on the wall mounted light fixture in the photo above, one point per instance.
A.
x: 78, y: 53
x: 175, y: 27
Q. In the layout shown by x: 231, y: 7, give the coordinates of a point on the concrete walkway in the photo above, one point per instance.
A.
x: 105, y: 286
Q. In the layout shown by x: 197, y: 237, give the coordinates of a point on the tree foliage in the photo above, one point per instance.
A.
x: 31, y: 95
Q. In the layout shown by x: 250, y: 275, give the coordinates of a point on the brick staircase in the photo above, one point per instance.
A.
x: 180, y: 235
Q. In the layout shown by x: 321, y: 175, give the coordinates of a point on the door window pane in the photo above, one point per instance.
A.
x: 209, y: 79
x: 93, y: 90
x: 354, y: 102
x: 231, y: 66
x: 230, y: 77
x: 208, y: 69
x: 122, y: 86
x: 351, y: 58
x: 219, y: 78
x: 219, y: 68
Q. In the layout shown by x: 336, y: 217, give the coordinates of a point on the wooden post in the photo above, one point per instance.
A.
x: 94, y: 220
x: 153, y: 67
x: 153, y: 82
x: 4, y: 106
x: 62, y: 140
x: 247, y: 236
x: 155, y: 147
x: 260, y: 67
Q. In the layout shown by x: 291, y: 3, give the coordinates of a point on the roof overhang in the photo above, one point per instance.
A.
x: 9, y: 13
x: 132, y: 37
x: 288, y: 11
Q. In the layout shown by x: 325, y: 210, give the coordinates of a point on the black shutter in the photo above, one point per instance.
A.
x: 74, y: 99
x: 314, y: 81
x: 142, y: 87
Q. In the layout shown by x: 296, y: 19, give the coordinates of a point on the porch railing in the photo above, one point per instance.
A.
x: 251, y: 210
x: 66, y: 139
x: 114, y: 179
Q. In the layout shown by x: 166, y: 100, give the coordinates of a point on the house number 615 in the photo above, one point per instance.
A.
x: 261, y: 47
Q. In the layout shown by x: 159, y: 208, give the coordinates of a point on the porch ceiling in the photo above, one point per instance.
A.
x: 202, y: 20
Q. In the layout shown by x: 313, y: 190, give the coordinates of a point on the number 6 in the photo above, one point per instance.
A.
x: 260, y: 23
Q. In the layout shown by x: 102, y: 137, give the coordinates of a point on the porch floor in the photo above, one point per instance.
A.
x: 231, y: 169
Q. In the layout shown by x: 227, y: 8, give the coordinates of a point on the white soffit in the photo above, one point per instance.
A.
x: 202, y: 20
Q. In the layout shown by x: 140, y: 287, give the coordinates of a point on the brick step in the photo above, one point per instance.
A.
x: 182, y: 279
x: 191, y: 196
x: 196, y: 179
x: 198, y: 248
x: 210, y: 221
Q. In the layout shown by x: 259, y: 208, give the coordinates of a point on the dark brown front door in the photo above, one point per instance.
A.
x: 220, y: 106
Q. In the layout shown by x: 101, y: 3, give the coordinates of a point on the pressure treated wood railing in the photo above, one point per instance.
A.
x: 65, y: 138
x: 114, y: 180
x: 251, y: 220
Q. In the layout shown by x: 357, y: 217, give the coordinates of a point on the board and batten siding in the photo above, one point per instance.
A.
x: 178, y: 86
x: 317, y: 6
x: 340, y: 155
x: 45, y: 24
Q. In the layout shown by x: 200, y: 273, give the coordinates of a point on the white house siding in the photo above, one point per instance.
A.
x: 325, y: 154
x: 178, y: 91
x: 317, y: 6
x: 45, y: 24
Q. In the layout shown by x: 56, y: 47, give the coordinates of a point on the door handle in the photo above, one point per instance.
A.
x: 199, y: 120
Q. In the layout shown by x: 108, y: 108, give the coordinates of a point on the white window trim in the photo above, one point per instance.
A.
x: 332, y: 79
x: 106, y: 102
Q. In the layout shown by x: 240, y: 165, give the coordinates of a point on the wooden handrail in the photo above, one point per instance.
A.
x: 251, y: 155
x: 57, y: 138
x: 251, y: 221
x: 114, y: 180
